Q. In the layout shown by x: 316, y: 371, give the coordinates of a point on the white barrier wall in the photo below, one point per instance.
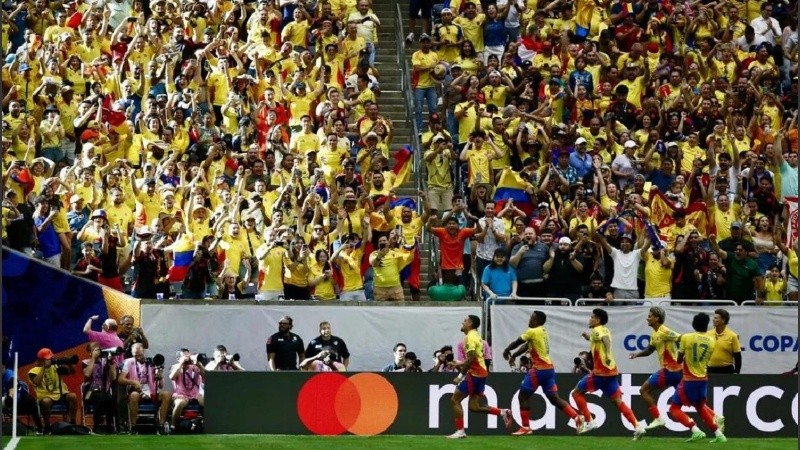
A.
x: 369, y: 331
x: 768, y: 335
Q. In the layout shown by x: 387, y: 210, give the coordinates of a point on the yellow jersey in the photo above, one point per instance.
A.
x: 474, y: 344
x: 604, y: 363
x: 539, y: 347
x: 697, y: 349
x: 665, y: 341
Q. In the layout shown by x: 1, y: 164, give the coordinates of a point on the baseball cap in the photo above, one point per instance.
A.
x: 543, y: 205
x: 672, y: 144
x: 371, y: 134
x: 75, y: 199
x: 631, y: 144
x: 447, y: 10
x: 626, y: 236
x: 438, y: 138
x: 736, y: 224
x: 44, y: 353
x: 580, y: 141
x: 99, y: 213
x: 565, y: 240
x: 425, y: 36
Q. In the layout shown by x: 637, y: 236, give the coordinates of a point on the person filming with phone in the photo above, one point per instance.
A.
x: 50, y: 388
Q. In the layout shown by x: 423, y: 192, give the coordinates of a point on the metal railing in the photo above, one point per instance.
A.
x: 629, y: 301
x: 416, y: 146
x: 783, y: 304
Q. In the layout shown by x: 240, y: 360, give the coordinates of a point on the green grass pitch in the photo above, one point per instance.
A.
x: 197, y: 442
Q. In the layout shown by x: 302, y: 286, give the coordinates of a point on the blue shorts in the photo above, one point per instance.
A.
x: 690, y: 393
x: 471, y: 385
x: 546, y: 378
x: 663, y: 379
x: 608, y: 385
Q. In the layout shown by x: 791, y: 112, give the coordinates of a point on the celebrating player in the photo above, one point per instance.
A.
x: 695, y: 352
x: 664, y: 342
x: 471, y: 379
x: 604, y: 375
x: 542, y: 372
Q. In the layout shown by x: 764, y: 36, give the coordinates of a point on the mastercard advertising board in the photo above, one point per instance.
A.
x: 368, y: 403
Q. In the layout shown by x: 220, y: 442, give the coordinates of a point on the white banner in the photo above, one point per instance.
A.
x: 370, y: 332
x: 791, y: 236
x: 768, y: 335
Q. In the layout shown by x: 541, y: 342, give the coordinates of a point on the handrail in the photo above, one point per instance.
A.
x: 713, y: 302
x: 548, y: 300
x: 417, y: 170
x: 782, y: 304
x: 589, y: 301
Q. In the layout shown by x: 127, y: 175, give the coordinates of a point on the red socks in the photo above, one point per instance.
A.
x: 676, y: 412
x: 654, y: 412
x: 626, y: 411
x: 526, y: 417
x: 459, y: 423
x: 568, y: 410
x: 707, y: 414
x: 580, y: 400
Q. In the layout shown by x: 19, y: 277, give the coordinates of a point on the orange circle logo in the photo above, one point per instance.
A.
x: 364, y: 404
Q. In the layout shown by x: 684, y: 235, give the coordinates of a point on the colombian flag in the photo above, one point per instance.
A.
x: 661, y: 209
x: 512, y: 186
x: 182, y: 253
x: 403, y: 165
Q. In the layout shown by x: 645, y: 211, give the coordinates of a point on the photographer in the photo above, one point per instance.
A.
x: 412, y: 363
x: 98, y: 373
x: 107, y: 338
x: 441, y: 357
x: 224, y: 362
x: 144, y: 378
x: 26, y: 404
x: 49, y: 387
x: 583, y: 363
x: 187, y: 379
x: 324, y: 361
x: 327, y: 341
x: 131, y: 335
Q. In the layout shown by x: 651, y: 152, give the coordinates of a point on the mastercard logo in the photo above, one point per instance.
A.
x: 363, y: 404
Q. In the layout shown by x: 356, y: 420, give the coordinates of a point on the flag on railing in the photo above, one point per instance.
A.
x: 791, y: 236
x: 402, y: 165
x: 661, y: 209
x: 512, y: 186
x: 182, y: 252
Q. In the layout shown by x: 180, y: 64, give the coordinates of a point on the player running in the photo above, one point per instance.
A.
x: 664, y: 342
x: 695, y: 351
x: 471, y: 379
x: 604, y: 375
x: 542, y: 372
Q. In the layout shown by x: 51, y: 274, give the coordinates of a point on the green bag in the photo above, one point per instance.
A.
x: 447, y: 292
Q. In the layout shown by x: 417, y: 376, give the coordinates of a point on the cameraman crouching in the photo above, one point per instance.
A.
x: 222, y: 361
x: 49, y: 387
x: 98, y: 372
x: 187, y: 378
x: 145, y: 381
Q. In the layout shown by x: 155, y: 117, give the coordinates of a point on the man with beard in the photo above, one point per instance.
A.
x: 626, y: 263
x: 327, y: 341
x: 528, y: 258
x: 563, y: 269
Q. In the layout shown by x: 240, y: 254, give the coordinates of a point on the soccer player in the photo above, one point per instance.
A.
x: 542, y: 372
x: 695, y: 352
x: 471, y: 379
x: 664, y: 342
x: 604, y: 375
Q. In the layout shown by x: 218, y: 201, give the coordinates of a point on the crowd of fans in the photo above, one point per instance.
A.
x: 617, y: 150
x: 236, y: 149
x: 203, y: 148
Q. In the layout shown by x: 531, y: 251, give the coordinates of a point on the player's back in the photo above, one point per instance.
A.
x: 697, y: 349
x: 539, y: 347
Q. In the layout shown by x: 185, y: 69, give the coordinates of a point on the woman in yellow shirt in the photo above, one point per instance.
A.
x: 468, y: 59
x: 321, y: 276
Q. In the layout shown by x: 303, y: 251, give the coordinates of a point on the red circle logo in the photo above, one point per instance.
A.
x: 364, y: 404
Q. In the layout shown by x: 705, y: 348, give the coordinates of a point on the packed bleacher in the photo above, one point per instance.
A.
x: 236, y: 149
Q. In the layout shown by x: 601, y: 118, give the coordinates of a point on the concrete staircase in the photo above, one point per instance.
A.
x: 392, y: 105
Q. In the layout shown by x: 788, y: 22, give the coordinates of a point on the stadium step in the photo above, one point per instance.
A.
x: 392, y: 105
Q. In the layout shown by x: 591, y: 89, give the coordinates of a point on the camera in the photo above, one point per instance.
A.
x: 156, y: 361
x: 68, y: 361
x: 449, y: 357
x: 113, y: 351
x: 232, y: 358
x: 588, y: 193
x: 200, y: 359
x: 583, y: 363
